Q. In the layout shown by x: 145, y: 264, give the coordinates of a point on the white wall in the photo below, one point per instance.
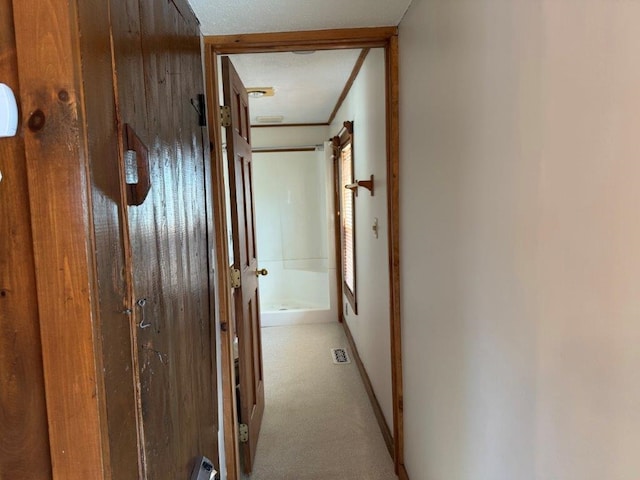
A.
x: 289, y: 192
x: 289, y: 136
x: 292, y: 228
x: 520, y: 228
x: 365, y: 106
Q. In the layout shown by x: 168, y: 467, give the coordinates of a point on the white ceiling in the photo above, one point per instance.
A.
x: 226, y: 17
x: 307, y: 87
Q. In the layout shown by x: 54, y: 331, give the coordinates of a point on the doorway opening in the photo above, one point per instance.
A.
x: 359, y: 38
x: 294, y: 227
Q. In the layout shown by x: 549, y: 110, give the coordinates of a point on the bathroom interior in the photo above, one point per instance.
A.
x: 293, y: 180
x: 293, y: 196
x: 294, y: 228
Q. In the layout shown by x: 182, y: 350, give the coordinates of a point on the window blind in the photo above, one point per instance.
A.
x: 348, y: 238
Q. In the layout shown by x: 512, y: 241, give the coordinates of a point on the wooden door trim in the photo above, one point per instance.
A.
x: 305, y: 40
x: 223, y: 289
x: 337, y: 226
x: 387, y: 38
x: 393, y: 206
x: 53, y: 120
x: 24, y: 440
x: 349, y: 84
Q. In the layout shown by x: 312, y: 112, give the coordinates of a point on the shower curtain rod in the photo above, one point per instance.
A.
x: 298, y: 148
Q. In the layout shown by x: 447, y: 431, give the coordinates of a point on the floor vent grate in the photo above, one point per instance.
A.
x: 340, y: 355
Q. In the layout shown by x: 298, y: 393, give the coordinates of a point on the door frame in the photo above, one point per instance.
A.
x: 377, y: 37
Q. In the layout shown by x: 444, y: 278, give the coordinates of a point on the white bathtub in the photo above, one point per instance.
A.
x: 290, y: 295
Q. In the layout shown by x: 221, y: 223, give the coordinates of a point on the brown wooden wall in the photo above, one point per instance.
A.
x: 158, y: 77
x: 110, y: 234
x: 132, y: 402
x: 24, y: 440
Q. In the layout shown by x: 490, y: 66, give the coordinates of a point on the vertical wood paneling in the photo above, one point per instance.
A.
x: 52, y: 100
x: 24, y: 439
x: 131, y: 99
x: 88, y: 257
x: 108, y: 197
x: 168, y: 236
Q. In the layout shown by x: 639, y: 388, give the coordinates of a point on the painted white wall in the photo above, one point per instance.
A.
x: 289, y: 192
x: 291, y: 226
x: 289, y: 136
x: 520, y: 231
x: 365, y: 106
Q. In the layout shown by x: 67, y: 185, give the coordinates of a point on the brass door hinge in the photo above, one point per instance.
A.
x: 225, y: 116
x: 235, y: 278
x: 243, y: 433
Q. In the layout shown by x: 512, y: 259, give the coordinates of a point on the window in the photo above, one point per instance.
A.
x: 343, y: 145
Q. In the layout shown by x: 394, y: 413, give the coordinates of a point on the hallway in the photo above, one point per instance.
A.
x: 318, y: 421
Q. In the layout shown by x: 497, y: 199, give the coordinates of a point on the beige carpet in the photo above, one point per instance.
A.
x: 318, y: 421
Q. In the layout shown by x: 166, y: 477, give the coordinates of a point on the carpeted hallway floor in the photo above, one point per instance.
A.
x: 318, y: 421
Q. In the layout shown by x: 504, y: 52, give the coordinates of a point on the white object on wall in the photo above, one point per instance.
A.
x: 8, y: 112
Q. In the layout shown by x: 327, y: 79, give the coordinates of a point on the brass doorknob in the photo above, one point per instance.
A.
x: 262, y: 272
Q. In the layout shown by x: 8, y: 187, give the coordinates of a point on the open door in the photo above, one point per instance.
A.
x: 247, y: 309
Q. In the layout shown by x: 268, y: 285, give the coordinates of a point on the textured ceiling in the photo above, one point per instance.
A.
x: 307, y: 87
x: 226, y: 17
